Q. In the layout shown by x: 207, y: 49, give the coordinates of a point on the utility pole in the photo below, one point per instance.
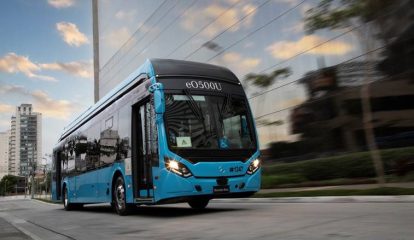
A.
x: 5, y: 187
x: 32, y: 172
x: 25, y: 185
x: 33, y: 187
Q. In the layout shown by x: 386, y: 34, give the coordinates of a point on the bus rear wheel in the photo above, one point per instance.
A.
x: 122, y: 208
x: 67, y: 205
x: 198, y: 203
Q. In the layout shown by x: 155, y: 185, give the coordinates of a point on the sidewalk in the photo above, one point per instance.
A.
x: 8, y: 198
x: 357, y: 186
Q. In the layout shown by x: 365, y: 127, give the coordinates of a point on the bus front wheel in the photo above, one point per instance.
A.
x: 199, y: 203
x: 119, y: 197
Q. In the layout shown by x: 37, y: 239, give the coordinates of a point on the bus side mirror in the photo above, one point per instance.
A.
x: 159, y: 104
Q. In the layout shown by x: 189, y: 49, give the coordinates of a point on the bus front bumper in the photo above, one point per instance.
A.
x: 175, y: 188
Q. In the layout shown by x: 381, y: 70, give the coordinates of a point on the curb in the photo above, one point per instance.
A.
x: 47, y: 203
x: 339, y: 199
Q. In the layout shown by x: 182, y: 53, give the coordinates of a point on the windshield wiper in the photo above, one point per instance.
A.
x: 195, y: 108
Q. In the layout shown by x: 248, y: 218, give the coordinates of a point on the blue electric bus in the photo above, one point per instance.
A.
x: 173, y: 131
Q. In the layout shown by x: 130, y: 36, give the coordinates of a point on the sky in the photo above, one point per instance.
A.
x: 46, y: 50
x: 46, y: 59
x: 255, y: 36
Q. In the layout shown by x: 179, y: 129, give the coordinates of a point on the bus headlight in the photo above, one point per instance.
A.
x: 177, y: 168
x: 253, y: 167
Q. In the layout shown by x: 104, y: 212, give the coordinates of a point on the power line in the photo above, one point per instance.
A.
x: 324, y: 97
x: 203, y: 28
x: 349, y: 60
x: 146, y: 33
x: 162, y: 31
x: 132, y: 36
x: 253, y: 32
x: 296, y: 55
x: 225, y: 30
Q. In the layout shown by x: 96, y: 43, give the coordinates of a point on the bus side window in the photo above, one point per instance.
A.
x: 81, y: 144
x: 109, y: 139
x: 124, y: 131
x: 152, y: 133
x: 70, y: 155
x: 92, y: 152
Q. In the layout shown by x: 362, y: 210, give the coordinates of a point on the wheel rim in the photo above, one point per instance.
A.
x: 120, y: 196
x: 65, y: 199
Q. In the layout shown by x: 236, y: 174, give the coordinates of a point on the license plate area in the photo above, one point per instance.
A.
x: 221, y: 189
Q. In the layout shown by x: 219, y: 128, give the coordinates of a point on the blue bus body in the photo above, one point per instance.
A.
x: 92, y: 181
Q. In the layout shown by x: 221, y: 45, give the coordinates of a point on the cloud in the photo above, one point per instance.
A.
x: 71, y: 34
x: 61, y: 3
x: 220, y: 17
x: 5, y: 108
x: 42, y: 102
x: 126, y: 15
x: 82, y: 69
x: 13, y: 63
x: 54, y: 108
x: 240, y: 64
x: 295, y: 28
x: 307, y: 44
x: 4, y: 124
x: 117, y: 38
x: 12, y: 89
x: 288, y: 2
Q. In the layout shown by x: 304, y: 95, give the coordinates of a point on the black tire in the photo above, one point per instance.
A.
x: 199, y: 203
x: 65, y: 199
x: 119, y: 197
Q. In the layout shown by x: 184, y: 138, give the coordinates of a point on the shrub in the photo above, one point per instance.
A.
x: 274, y: 180
x: 354, y: 165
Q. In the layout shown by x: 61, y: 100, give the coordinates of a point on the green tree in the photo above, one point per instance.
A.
x: 266, y: 80
x: 263, y: 81
x: 334, y: 14
x: 368, y: 18
x: 7, y: 184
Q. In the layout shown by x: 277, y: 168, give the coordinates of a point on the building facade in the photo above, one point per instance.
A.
x: 4, y: 153
x: 326, y: 65
x: 25, y: 146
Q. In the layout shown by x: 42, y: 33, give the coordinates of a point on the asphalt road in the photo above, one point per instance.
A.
x: 223, y: 220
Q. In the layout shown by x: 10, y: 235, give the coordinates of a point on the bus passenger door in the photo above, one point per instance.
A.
x: 57, y: 175
x: 142, y: 150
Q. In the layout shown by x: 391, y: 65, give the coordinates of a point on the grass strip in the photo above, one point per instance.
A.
x: 383, y: 191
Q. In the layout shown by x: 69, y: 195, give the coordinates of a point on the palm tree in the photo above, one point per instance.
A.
x: 263, y: 81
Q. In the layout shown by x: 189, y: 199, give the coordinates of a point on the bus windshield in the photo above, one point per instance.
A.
x: 208, y: 122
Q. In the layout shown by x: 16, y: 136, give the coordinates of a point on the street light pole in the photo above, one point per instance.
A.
x: 5, y: 187
x: 25, y: 185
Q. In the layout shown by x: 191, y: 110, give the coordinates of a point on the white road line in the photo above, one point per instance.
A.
x: 338, y: 199
x: 15, y: 222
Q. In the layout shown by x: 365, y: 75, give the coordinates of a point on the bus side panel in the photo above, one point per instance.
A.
x: 86, y: 187
x: 54, y: 193
x: 104, y: 182
x: 96, y: 186
x: 105, y: 177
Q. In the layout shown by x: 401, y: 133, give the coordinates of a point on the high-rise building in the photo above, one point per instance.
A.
x: 4, y: 153
x: 25, y: 148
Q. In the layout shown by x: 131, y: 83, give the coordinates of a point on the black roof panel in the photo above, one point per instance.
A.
x: 171, y: 67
